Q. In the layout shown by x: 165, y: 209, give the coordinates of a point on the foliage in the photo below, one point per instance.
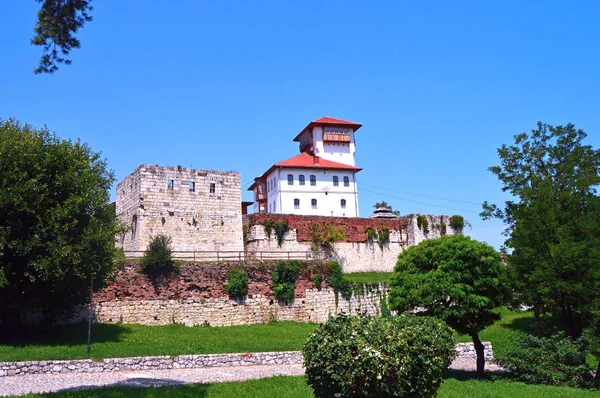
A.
x: 335, y: 278
x: 375, y: 356
x: 553, y: 223
x: 457, y: 222
x: 383, y: 236
x: 57, y: 23
x: 371, y: 235
x: 324, y: 236
x: 385, y: 205
x: 237, y: 282
x: 456, y: 279
x: 57, y: 227
x: 268, y: 225
x: 132, y: 340
x: 284, y: 280
x: 281, y: 228
x: 442, y: 226
x: 556, y: 360
x: 157, y: 257
x: 422, y: 222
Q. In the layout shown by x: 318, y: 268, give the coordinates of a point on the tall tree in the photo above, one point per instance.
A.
x: 57, y: 227
x: 58, y: 21
x: 553, y: 222
x: 457, y: 279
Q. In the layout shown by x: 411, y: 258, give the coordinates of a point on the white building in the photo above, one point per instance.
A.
x: 321, y: 181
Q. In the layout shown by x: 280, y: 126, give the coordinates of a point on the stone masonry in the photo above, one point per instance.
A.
x: 463, y: 350
x: 199, y: 209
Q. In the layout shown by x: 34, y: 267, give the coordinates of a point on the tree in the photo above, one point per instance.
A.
x: 457, y: 279
x: 383, y: 204
x: 57, y: 227
x: 553, y: 223
x: 58, y: 21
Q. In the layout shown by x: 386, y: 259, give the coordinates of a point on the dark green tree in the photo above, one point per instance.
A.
x: 57, y: 23
x: 457, y: 279
x: 57, y: 227
x: 553, y: 222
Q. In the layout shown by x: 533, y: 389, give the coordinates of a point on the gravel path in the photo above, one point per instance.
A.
x: 20, y: 385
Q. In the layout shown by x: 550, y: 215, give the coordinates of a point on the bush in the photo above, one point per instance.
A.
x: 237, y: 282
x: 284, y: 280
x: 157, y: 257
x: 457, y: 222
x: 555, y: 360
x: 378, y: 357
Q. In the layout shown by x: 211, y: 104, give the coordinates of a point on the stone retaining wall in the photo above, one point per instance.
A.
x: 465, y: 350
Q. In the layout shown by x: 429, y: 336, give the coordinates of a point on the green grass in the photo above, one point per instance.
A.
x: 501, y: 333
x: 124, y: 340
x: 369, y: 277
x: 296, y: 387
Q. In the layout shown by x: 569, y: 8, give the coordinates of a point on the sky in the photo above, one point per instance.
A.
x: 227, y: 85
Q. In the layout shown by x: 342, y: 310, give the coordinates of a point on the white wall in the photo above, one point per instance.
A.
x: 328, y: 196
x: 341, y: 153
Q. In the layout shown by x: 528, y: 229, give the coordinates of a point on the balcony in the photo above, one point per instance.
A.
x: 336, y: 138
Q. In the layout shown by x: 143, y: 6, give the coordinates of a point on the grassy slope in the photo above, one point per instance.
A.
x: 369, y: 277
x: 121, y: 340
x: 296, y: 387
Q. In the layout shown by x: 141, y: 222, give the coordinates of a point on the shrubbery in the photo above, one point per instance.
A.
x: 284, y: 280
x: 555, y: 360
x: 378, y: 357
x: 157, y: 257
x: 237, y: 282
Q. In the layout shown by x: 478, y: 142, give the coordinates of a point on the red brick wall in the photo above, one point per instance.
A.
x: 202, y: 280
x: 354, y: 228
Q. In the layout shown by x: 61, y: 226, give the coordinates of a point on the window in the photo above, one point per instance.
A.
x: 343, y: 203
x: 170, y: 184
x: 296, y: 203
x: 301, y: 179
x: 346, y: 182
x: 313, y: 180
x: 212, y: 188
x: 336, y: 181
x: 313, y: 203
x: 290, y: 179
x: 192, y: 186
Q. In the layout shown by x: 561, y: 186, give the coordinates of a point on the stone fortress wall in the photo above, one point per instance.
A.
x: 355, y: 254
x: 199, y: 209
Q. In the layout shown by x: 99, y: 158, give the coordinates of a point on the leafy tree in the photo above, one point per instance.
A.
x: 384, y: 204
x: 56, y: 225
x: 57, y: 23
x: 457, y: 279
x: 553, y: 222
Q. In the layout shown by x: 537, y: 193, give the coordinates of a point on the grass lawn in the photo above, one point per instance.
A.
x: 501, y: 332
x: 288, y: 386
x: 369, y: 277
x: 123, y: 340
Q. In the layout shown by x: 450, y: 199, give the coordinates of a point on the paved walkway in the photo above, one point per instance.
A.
x: 20, y: 385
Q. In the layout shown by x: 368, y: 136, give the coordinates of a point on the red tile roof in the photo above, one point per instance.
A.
x: 307, y: 161
x: 326, y: 120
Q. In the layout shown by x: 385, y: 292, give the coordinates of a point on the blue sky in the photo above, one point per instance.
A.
x: 438, y: 86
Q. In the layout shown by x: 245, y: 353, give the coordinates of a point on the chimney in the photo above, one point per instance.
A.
x: 316, y: 160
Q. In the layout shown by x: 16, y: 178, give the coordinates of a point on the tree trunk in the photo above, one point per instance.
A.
x: 480, y: 354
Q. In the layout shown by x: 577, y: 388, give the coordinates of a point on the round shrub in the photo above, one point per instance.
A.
x: 237, y: 282
x: 157, y: 257
x: 554, y: 360
x: 374, y: 356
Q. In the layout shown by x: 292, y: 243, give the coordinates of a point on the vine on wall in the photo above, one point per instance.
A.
x: 324, y: 236
x: 457, y: 222
x: 280, y: 227
x: 422, y: 223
